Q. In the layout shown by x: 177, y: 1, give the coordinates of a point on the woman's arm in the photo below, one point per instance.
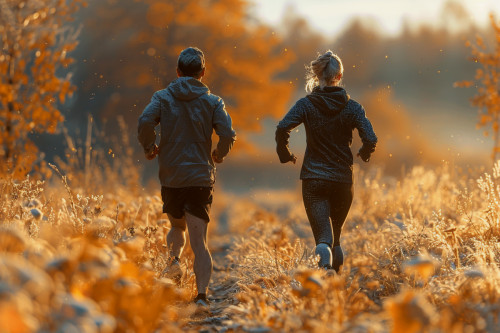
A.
x: 366, y: 133
x: 293, y: 118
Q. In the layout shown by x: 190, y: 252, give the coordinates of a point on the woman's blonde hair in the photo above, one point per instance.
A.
x: 323, y: 71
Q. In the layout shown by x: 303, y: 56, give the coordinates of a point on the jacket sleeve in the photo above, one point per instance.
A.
x: 366, y: 133
x: 292, y: 119
x: 148, y: 120
x: 223, y: 127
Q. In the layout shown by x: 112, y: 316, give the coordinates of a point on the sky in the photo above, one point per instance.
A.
x: 330, y: 16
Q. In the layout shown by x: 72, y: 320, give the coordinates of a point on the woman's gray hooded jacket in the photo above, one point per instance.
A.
x: 330, y: 117
x: 187, y: 113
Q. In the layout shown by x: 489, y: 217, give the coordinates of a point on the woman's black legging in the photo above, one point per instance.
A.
x: 327, y: 204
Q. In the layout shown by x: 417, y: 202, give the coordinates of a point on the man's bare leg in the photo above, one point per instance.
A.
x: 176, y: 237
x: 197, y: 229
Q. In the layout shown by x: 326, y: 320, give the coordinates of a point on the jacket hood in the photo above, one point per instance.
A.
x: 329, y: 99
x: 187, y: 88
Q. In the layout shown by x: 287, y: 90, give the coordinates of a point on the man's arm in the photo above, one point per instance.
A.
x: 293, y: 118
x: 148, y: 120
x: 223, y: 127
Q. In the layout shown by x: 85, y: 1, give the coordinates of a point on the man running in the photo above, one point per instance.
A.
x: 187, y: 113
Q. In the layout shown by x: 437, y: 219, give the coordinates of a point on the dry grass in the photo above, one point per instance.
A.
x: 422, y: 254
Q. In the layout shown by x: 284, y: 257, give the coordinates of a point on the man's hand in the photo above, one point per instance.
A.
x: 289, y: 157
x: 214, y: 157
x: 152, y: 154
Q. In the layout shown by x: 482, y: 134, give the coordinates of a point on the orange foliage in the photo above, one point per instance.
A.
x: 243, y: 57
x: 487, y: 82
x: 34, y: 47
x: 401, y: 141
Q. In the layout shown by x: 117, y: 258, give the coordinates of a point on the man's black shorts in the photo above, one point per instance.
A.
x: 196, y: 201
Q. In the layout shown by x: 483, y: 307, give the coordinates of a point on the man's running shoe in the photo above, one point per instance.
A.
x: 173, y: 271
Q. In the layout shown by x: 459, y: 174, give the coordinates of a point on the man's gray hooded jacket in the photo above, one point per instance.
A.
x: 187, y: 113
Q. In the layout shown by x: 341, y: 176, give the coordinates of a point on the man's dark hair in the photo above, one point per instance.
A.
x: 191, y: 62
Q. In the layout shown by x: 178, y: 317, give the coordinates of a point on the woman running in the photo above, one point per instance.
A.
x: 329, y: 116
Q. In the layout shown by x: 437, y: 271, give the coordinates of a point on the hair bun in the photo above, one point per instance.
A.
x: 324, y: 70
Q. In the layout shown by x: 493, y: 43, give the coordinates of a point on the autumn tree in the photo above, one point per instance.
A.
x: 300, y: 38
x: 141, y: 39
x: 34, y: 44
x: 487, y: 82
x: 402, y: 143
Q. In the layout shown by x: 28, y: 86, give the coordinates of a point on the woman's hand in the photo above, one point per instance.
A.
x: 364, y: 155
